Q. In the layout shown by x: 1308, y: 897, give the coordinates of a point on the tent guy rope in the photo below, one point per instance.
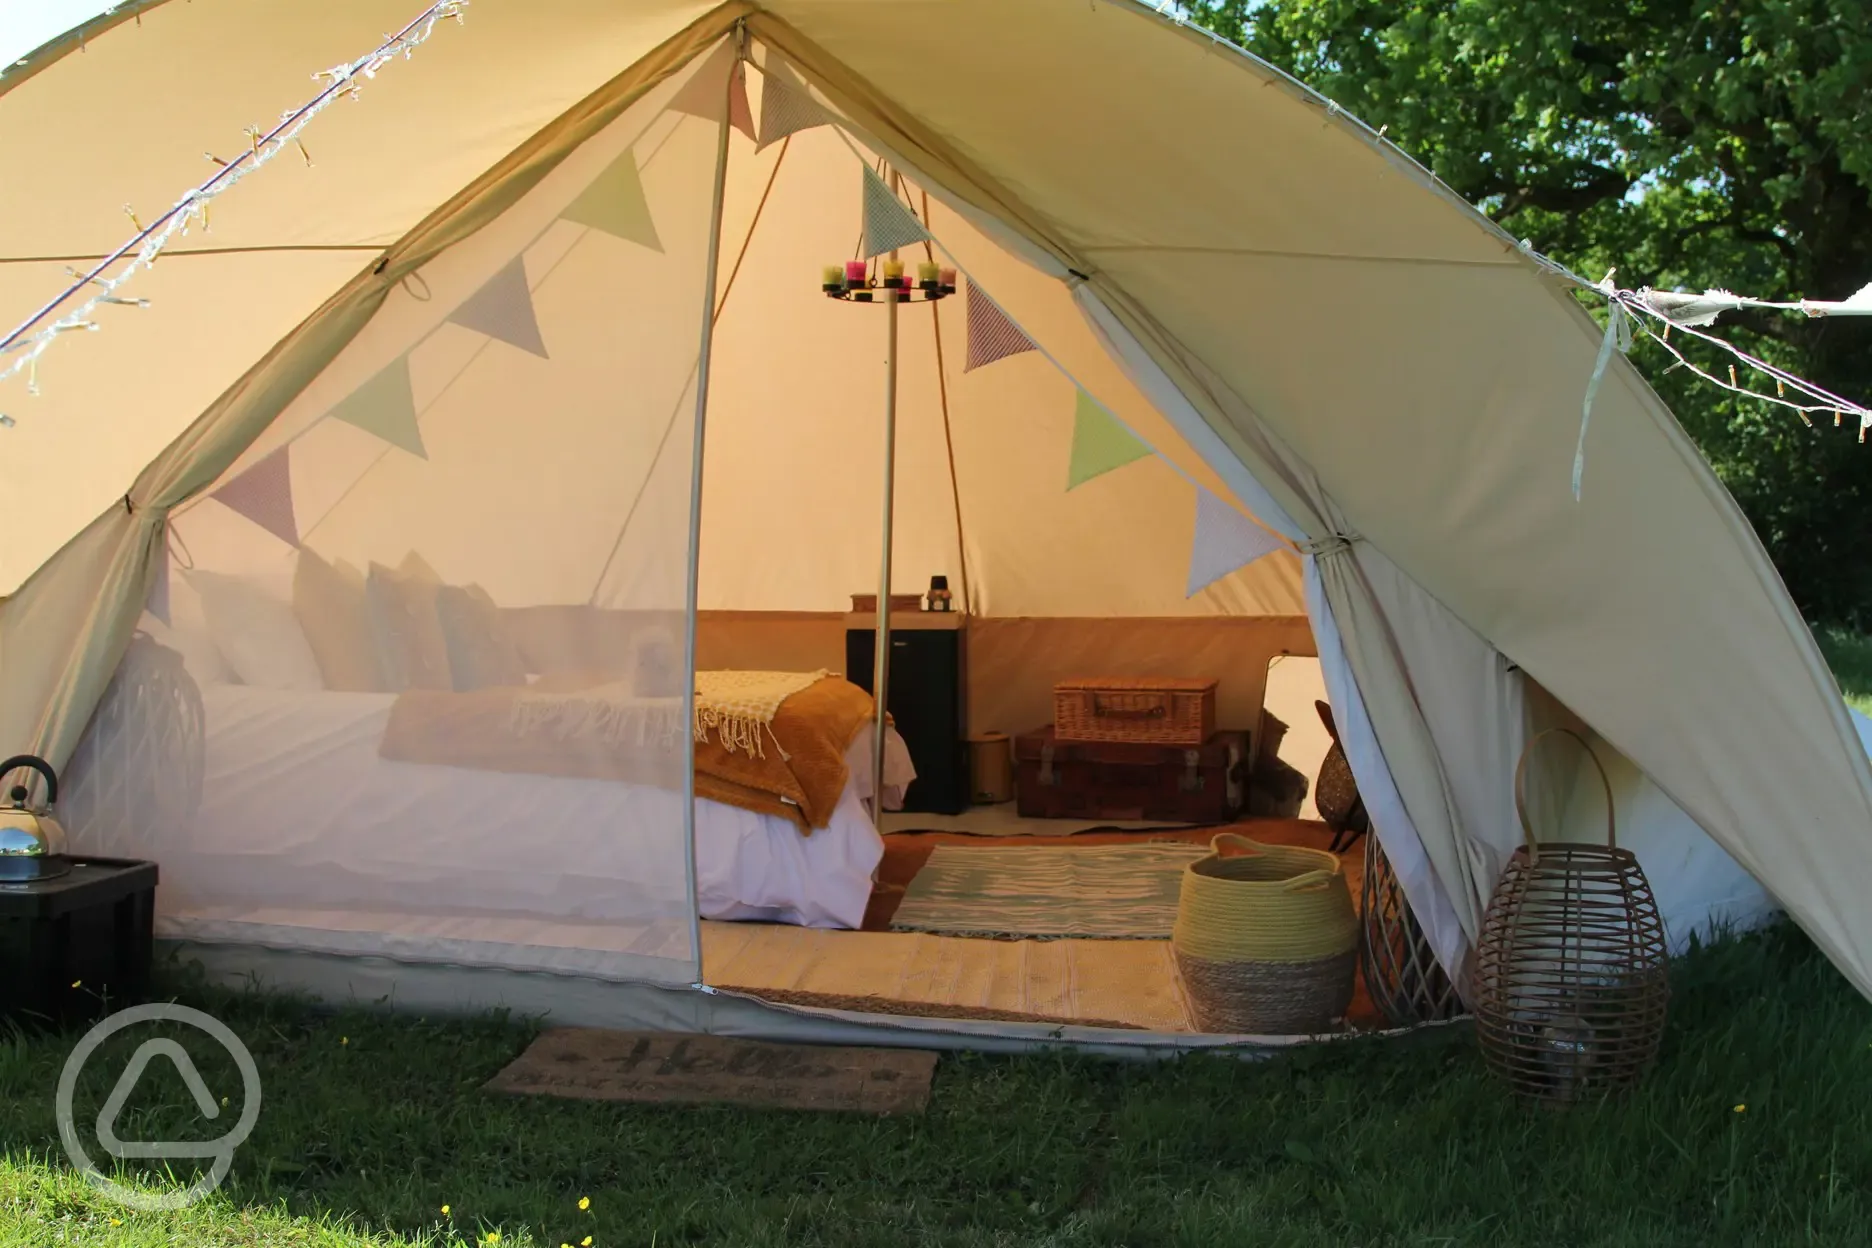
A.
x: 30, y: 339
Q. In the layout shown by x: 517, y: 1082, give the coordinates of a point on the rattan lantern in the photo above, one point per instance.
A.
x: 1570, y: 973
x: 1401, y: 971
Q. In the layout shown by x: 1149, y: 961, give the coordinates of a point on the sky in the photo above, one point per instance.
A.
x: 25, y: 24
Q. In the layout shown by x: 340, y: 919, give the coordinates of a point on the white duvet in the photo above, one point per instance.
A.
x: 299, y: 816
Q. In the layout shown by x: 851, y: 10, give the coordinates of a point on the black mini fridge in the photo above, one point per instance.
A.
x: 927, y: 698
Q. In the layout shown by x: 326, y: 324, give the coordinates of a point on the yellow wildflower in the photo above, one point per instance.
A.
x: 76, y: 983
x: 445, y: 1210
x: 1740, y: 1108
x: 585, y: 1243
x: 344, y: 1039
x: 584, y: 1202
x: 493, y: 1237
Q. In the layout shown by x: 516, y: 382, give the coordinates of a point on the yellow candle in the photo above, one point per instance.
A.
x: 927, y: 272
x: 831, y: 275
x: 893, y: 268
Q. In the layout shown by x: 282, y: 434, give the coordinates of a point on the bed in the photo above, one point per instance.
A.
x: 301, y: 822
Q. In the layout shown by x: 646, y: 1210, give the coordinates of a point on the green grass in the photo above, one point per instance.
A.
x: 371, y: 1123
x: 1850, y: 656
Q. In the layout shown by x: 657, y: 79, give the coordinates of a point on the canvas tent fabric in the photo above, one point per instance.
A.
x: 1297, y: 317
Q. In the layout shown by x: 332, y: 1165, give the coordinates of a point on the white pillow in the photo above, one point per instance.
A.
x: 257, y: 633
x: 199, y: 655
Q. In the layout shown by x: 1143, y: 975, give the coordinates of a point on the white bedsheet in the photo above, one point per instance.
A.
x: 299, y: 813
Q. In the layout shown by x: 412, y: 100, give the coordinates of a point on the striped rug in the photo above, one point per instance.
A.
x: 1107, y: 892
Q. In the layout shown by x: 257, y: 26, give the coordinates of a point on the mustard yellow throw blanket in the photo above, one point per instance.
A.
x: 770, y: 742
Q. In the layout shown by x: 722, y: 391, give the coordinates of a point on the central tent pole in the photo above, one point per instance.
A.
x: 703, y: 358
x: 880, y: 674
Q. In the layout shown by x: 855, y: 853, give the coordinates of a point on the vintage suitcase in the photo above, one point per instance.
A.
x: 1163, y: 710
x: 1126, y: 780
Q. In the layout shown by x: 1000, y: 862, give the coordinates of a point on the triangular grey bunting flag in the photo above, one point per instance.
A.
x: 888, y: 224
x: 786, y: 107
x: 503, y: 309
x: 1225, y: 540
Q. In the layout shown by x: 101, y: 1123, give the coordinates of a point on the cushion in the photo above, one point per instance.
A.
x: 256, y: 633
x: 481, y: 654
x: 197, y: 648
x: 410, y: 642
x: 333, y: 609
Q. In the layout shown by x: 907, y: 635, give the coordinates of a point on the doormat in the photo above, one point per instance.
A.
x: 665, y: 1068
x: 1109, y: 892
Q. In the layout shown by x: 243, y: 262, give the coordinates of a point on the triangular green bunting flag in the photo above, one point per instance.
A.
x: 615, y: 203
x: 385, y: 407
x: 1100, y: 443
x: 887, y: 223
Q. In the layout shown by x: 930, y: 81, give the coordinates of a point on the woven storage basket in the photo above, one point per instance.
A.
x: 1266, y: 940
x: 1160, y: 710
x: 1569, y: 983
x: 1401, y: 971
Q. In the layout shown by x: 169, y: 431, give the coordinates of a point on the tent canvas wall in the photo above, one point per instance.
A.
x: 475, y: 334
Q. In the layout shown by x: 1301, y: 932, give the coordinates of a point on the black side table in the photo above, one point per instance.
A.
x: 76, y: 947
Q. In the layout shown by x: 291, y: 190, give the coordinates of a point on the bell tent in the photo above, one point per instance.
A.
x: 364, y: 580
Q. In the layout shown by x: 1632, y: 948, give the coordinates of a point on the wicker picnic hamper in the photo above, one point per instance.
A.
x: 1265, y: 939
x: 1163, y: 710
x: 1570, y: 977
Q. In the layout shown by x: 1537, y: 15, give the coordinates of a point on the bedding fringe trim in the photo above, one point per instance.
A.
x: 737, y: 707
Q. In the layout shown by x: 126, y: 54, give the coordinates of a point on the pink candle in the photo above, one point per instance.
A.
x: 948, y: 277
x: 855, y: 272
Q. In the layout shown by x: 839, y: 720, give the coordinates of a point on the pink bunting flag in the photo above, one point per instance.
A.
x: 264, y: 495
x: 1225, y: 540
x: 503, y: 309
x: 992, y: 335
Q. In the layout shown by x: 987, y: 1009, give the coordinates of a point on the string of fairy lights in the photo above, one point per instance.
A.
x: 74, y: 309
x: 1658, y: 314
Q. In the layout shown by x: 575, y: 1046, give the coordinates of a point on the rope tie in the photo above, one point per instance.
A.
x: 1332, y: 544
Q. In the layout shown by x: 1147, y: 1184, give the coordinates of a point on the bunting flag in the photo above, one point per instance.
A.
x: 1225, y: 540
x: 615, y: 203
x: 702, y: 95
x: 1100, y: 443
x: 263, y: 494
x: 786, y: 107
x: 158, y: 602
x: 888, y: 223
x: 503, y: 309
x: 991, y: 335
x: 386, y: 407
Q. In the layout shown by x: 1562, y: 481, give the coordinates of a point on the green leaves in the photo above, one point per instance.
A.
x: 1691, y: 143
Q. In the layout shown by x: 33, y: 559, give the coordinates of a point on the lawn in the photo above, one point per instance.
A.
x: 1755, y: 1128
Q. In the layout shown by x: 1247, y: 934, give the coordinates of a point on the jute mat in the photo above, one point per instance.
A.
x: 1104, y: 892
x: 1096, y: 983
x: 659, y: 1067
x: 872, y: 1004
